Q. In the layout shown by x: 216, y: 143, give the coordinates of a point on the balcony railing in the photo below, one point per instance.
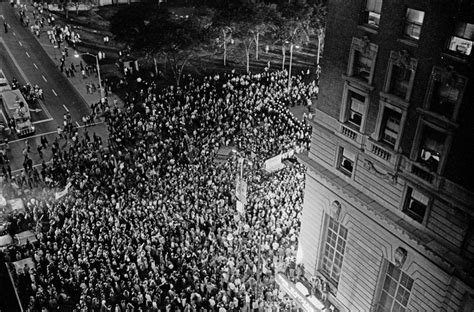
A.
x: 422, y: 173
x: 382, y: 153
x: 350, y: 135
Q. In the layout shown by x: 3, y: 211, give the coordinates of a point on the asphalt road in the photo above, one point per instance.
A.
x: 23, y: 57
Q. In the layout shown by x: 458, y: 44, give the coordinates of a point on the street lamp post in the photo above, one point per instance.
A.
x: 97, y: 65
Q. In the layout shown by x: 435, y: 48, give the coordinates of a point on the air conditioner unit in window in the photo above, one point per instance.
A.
x: 374, y: 19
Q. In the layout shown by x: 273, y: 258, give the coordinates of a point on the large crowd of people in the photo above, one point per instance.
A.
x: 149, y: 220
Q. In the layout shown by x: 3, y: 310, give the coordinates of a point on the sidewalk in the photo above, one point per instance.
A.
x: 78, y: 82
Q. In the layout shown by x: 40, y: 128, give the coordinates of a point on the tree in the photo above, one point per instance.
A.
x: 263, y: 18
x: 129, y: 24
x: 154, y: 31
x: 183, y: 40
x: 296, y: 24
x: 244, y: 34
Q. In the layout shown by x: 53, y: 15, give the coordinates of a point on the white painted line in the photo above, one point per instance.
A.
x: 54, y: 92
x: 45, y: 110
x: 35, y: 66
x: 42, y: 121
x: 33, y: 136
x: 14, y: 34
x: 44, y: 78
x: 48, y: 133
x: 25, y: 78
x: 78, y: 124
x: 91, y: 125
x: 13, y: 282
x: 27, y: 54
x: 20, y: 43
x: 67, y: 110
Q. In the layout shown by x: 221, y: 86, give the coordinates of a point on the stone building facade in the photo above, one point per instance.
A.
x: 388, y: 215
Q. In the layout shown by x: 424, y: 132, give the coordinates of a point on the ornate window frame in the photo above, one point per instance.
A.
x: 366, y: 48
x: 400, y: 288
x: 322, y: 254
x: 402, y: 59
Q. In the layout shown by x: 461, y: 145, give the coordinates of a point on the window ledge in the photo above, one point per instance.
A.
x: 353, y: 80
x: 395, y: 100
x: 408, y: 42
x: 368, y: 29
x: 438, y: 119
x: 454, y: 57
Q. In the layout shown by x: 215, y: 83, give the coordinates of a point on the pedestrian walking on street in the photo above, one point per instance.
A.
x: 40, y: 152
x: 9, y: 171
x: 44, y: 141
x: 60, y: 132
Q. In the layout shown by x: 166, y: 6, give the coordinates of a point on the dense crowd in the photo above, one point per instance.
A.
x: 149, y: 223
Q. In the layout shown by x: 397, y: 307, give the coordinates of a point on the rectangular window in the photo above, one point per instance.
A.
x: 416, y: 204
x: 346, y: 161
x: 445, y: 92
x: 431, y: 148
x: 463, y: 38
x: 357, y: 109
x: 334, y: 250
x: 396, y: 290
x: 413, y: 23
x: 400, y: 81
x: 391, y: 126
x: 372, y: 13
x: 362, y: 66
x: 444, y: 99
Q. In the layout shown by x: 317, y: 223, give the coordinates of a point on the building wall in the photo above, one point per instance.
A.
x: 441, y: 248
x: 368, y: 244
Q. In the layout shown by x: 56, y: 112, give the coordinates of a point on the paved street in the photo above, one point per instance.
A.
x: 34, y: 60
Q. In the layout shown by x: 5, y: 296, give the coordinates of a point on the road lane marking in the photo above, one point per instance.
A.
x: 67, y: 110
x: 42, y: 121
x: 14, y: 34
x: 44, y: 78
x: 20, y: 43
x: 46, y: 111
x: 78, y: 124
x: 25, y: 78
x: 35, y: 66
x: 33, y: 136
x: 54, y: 92
x: 27, y: 54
